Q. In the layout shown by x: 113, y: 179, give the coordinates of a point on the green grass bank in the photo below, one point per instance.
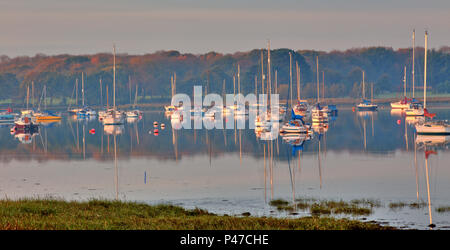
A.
x: 46, y: 214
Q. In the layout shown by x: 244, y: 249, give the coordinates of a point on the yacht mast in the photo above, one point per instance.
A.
x: 262, y: 71
x: 28, y: 94
x: 269, y: 81
x: 363, y: 92
x: 114, y: 77
x: 76, y: 92
x: 290, y: 75
x: 404, y: 82
x: 317, y: 74
x: 82, y: 89
x: 425, y: 73
x: 414, y: 49
x: 239, y: 79
x: 297, y: 67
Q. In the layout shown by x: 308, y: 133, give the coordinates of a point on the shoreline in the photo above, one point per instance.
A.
x: 342, y: 102
x: 50, y: 214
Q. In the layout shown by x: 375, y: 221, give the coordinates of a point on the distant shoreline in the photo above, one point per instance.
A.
x: 346, y: 102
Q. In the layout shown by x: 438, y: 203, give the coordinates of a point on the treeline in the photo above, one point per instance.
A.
x: 342, y: 71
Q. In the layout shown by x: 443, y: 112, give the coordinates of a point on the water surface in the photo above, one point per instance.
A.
x: 362, y: 155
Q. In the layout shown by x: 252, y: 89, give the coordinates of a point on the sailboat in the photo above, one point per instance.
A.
x: 301, y: 108
x: 135, y: 112
x: 113, y: 117
x: 74, y: 111
x: 296, y: 124
x: 440, y: 127
x: 24, y: 124
x: 318, y: 113
x: 46, y: 115
x: 416, y: 108
x: 406, y: 103
x: 85, y: 110
x: 365, y: 105
x: 171, y: 108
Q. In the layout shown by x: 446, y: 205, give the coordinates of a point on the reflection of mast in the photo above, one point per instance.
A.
x: 102, y: 142
x: 271, y: 168
x: 175, y: 144
x: 415, y: 166
x: 365, y: 141
x: 372, y: 125
x: 240, y: 146
x: 320, y: 166
x: 265, y: 175
x: 428, y: 188
x: 116, y: 170
x: 84, y: 141
x: 406, y: 136
x: 78, y: 138
x: 137, y: 133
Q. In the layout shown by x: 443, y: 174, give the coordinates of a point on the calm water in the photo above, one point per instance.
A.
x: 362, y: 155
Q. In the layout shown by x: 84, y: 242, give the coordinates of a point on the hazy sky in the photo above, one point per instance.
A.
x: 199, y: 26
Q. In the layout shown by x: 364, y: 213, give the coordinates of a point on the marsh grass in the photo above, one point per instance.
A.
x: 48, y: 214
x: 328, y: 207
x: 443, y: 209
x: 413, y: 205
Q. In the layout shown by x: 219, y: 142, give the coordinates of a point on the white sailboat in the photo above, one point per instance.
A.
x: 415, y: 108
x: 405, y: 102
x: 441, y: 127
x: 318, y: 113
x: 85, y: 111
x: 113, y: 117
x: 135, y: 112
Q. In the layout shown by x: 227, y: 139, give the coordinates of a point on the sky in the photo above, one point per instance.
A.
x: 28, y: 27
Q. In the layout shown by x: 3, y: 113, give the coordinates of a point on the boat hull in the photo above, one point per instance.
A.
x: 427, y: 129
x: 367, y: 108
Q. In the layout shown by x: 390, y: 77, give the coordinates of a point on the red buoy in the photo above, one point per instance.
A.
x: 92, y: 131
x: 399, y: 122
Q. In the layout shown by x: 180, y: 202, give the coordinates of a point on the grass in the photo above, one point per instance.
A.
x: 412, y: 205
x: 444, y: 209
x: 328, y: 207
x: 48, y: 214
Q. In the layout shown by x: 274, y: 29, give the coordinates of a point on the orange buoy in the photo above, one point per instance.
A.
x: 92, y: 131
x: 353, y: 109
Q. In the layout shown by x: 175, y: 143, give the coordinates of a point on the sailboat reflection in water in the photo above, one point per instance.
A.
x: 430, y: 144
